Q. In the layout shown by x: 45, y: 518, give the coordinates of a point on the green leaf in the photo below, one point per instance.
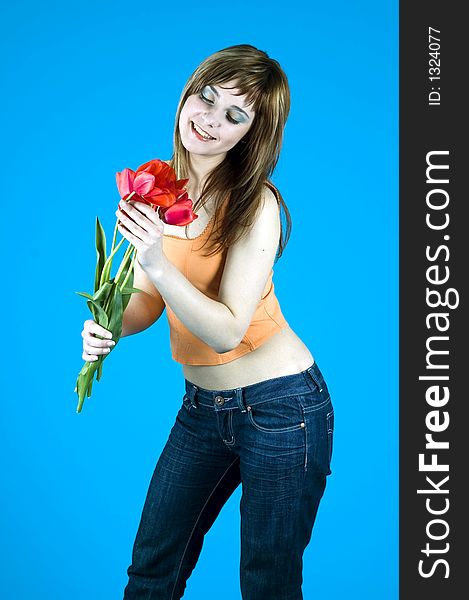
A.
x: 100, y: 253
x: 85, y: 295
x: 114, y: 310
x: 128, y: 290
x: 124, y: 269
x: 115, y: 318
x: 99, y: 372
x: 106, y: 272
x: 89, y: 388
x: 98, y: 365
x: 102, y: 295
x: 111, y: 319
x: 83, y: 382
x: 98, y: 312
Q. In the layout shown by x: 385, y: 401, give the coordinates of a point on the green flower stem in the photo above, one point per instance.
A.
x: 107, y: 307
x: 117, y: 222
x: 114, y: 236
x: 105, y: 273
x: 129, y: 272
x: 124, y: 262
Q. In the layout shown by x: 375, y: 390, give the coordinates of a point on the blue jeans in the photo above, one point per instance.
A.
x: 274, y: 437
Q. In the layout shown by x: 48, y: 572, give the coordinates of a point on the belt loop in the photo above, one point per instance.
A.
x: 240, y: 399
x: 192, y: 395
x: 315, y: 376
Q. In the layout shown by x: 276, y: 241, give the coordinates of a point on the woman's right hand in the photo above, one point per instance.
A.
x: 93, y: 346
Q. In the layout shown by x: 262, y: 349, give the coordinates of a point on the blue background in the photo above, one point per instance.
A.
x: 90, y: 88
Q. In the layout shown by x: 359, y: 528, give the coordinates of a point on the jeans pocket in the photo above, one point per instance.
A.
x: 319, y: 436
x: 278, y: 415
x: 314, y: 399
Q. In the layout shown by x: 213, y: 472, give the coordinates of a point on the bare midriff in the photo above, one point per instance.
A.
x: 282, y: 354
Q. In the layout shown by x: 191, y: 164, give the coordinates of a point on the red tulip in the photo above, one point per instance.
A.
x: 180, y: 213
x: 153, y: 183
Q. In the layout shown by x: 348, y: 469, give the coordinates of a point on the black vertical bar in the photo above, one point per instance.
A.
x: 434, y: 259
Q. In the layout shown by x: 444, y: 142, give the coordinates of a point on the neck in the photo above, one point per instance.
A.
x: 200, y: 166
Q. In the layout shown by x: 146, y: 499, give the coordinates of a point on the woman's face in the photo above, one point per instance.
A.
x: 214, y: 120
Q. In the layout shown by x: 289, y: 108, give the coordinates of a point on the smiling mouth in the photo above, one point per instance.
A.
x: 200, y: 132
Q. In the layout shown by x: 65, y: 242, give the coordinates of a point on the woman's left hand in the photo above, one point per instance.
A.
x: 142, y: 227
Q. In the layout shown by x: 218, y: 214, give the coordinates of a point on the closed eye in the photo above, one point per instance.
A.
x: 205, y: 99
x: 231, y: 120
x: 228, y: 116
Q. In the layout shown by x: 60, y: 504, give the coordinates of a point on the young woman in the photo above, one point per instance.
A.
x: 256, y: 409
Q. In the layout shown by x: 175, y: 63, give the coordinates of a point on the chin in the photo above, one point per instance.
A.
x: 197, y: 148
x: 193, y: 148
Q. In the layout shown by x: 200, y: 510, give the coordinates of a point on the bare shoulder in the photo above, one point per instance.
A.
x: 263, y: 235
x: 268, y: 220
x: 272, y: 191
x: 270, y: 198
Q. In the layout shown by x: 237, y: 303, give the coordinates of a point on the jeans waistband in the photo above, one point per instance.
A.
x: 277, y: 387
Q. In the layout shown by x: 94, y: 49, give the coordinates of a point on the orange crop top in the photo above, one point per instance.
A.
x: 205, y: 274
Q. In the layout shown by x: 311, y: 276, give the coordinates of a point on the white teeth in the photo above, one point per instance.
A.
x: 202, y: 133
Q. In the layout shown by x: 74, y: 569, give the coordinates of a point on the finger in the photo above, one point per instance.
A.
x: 93, y: 327
x: 133, y: 239
x: 149, y: 214
x: 153, y: 216
x: 129, y: 215
x: 95, y: 342
x: 95, y: 351
x: 89, y: 357
x: 145, y: 209
x: 131, y: 226
x: 141, y: 227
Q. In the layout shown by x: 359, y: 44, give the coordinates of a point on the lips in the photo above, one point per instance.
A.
x: 211, y: 138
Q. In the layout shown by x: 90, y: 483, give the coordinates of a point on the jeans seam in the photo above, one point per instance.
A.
x: 330, y: 434
x: 230, y: 430
x: 288, y: 429
x: 270, y: 399
x: 195, y: 525
x: 309, y: 409
x: 306, y: 441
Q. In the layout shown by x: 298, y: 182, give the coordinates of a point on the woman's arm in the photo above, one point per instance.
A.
x: 222, y: 324
x: 145, y: 307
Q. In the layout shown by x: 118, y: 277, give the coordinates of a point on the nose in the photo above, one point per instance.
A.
x: 211, y: 118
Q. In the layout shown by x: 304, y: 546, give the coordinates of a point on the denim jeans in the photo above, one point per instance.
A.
x: 275, y: 438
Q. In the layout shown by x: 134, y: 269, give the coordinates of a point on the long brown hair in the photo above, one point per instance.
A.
x: 248, y: 165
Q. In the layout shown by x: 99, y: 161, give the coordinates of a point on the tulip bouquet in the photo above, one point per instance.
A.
x: 153, y: 183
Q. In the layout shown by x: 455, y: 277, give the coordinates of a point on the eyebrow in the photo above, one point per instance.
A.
x: 235, y: 107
